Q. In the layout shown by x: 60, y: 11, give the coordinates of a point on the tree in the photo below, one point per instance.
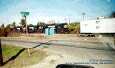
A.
x: 14, y: 24
x: 113, y: 14
x: 30, y: 25
x: 40, y: 24
x: 8, y: 25
x: 2, y: 30
x: 23, y: 23
x: 2, y: 26
x: 74, y: 27
x: 8, y: 29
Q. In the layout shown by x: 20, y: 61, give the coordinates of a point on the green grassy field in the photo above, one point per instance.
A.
x: 23, y: 59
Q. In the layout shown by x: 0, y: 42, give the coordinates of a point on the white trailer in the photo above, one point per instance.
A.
x: 98, y: 26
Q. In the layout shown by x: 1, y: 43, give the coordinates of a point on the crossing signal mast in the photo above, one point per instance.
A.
x: 25, y: 14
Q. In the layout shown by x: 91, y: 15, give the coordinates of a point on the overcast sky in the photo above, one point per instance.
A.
x: 58, y: 10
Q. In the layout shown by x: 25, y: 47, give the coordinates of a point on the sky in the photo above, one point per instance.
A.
x: 55, y: 10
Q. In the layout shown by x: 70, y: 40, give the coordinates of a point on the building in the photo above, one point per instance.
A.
x: 103, y: 28
x: 103, y: 25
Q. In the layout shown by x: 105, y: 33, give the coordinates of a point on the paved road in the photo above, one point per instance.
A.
x: 25, y: 44
x: 69, y: 43
x: 74, y: 52
x: 102, y: 57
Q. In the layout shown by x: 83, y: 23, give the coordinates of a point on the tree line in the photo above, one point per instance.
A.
x: 73, y: 27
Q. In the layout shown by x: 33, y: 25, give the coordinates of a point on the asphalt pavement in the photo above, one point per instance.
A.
x: 97, y: 54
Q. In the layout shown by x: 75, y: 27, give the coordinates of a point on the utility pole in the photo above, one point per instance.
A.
x: 1, y: 57
x: 83, y: 14
x: 69, y: 20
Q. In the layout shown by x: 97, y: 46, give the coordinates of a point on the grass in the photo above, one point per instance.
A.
x: 45, y: 46
x: 23, y: 59
x: 8, y: 51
